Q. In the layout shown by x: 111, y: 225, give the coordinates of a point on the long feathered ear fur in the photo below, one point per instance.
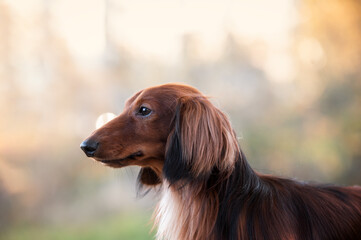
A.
x: 202, y: 139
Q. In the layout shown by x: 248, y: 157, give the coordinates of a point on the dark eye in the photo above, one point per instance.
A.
x: 144, y: 111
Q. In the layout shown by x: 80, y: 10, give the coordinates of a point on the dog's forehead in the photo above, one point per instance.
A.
x: 132, y: 98
x: 158, y: 95
x: 162, y: 94
x: 175, y: 90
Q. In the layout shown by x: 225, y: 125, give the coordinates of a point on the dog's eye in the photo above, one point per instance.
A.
x: 144, y: 111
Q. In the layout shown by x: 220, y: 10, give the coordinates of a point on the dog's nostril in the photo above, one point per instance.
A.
x: 89, y: 147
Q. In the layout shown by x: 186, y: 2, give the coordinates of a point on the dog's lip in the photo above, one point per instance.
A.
x: 132, y: 156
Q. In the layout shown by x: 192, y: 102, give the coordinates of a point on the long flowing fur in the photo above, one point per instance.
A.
x: 211, y: 192
x: 208, y: 190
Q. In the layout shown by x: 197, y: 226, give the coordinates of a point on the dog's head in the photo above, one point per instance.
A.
x: 172, y: 131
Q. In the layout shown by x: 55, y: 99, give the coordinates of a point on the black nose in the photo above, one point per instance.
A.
x: 89, y: 147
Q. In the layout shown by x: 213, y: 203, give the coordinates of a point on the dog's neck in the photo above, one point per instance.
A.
x: 200, y: 209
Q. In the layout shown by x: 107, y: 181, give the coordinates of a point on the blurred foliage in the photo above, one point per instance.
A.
x: 126, y: 226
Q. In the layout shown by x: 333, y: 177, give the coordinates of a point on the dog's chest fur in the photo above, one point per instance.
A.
x: 180, y: 216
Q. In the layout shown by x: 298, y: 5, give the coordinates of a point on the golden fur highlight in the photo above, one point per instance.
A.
x: 207, y: 137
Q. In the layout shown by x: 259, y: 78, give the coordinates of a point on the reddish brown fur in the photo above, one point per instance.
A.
x: 188, y: 148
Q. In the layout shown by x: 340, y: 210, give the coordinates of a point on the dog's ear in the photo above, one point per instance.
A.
x: 175, y: 166
x: 147, y: 177
x: 202, y: 139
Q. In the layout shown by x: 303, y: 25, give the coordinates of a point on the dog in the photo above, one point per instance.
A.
x: 187, y: 147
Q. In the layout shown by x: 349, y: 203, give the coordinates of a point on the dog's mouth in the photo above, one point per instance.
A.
x: 121, y: 162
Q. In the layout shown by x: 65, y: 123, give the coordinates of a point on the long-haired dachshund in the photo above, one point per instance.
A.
x: 186, y: 146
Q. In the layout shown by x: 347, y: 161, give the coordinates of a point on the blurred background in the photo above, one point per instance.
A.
x: 287, y: 72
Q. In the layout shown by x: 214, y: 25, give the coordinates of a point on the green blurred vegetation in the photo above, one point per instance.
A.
x: 135, y: 226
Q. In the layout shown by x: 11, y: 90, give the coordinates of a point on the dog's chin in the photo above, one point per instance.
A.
x: 121, y: 162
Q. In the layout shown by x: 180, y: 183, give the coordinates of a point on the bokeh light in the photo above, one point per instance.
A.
x: 103, y: 119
